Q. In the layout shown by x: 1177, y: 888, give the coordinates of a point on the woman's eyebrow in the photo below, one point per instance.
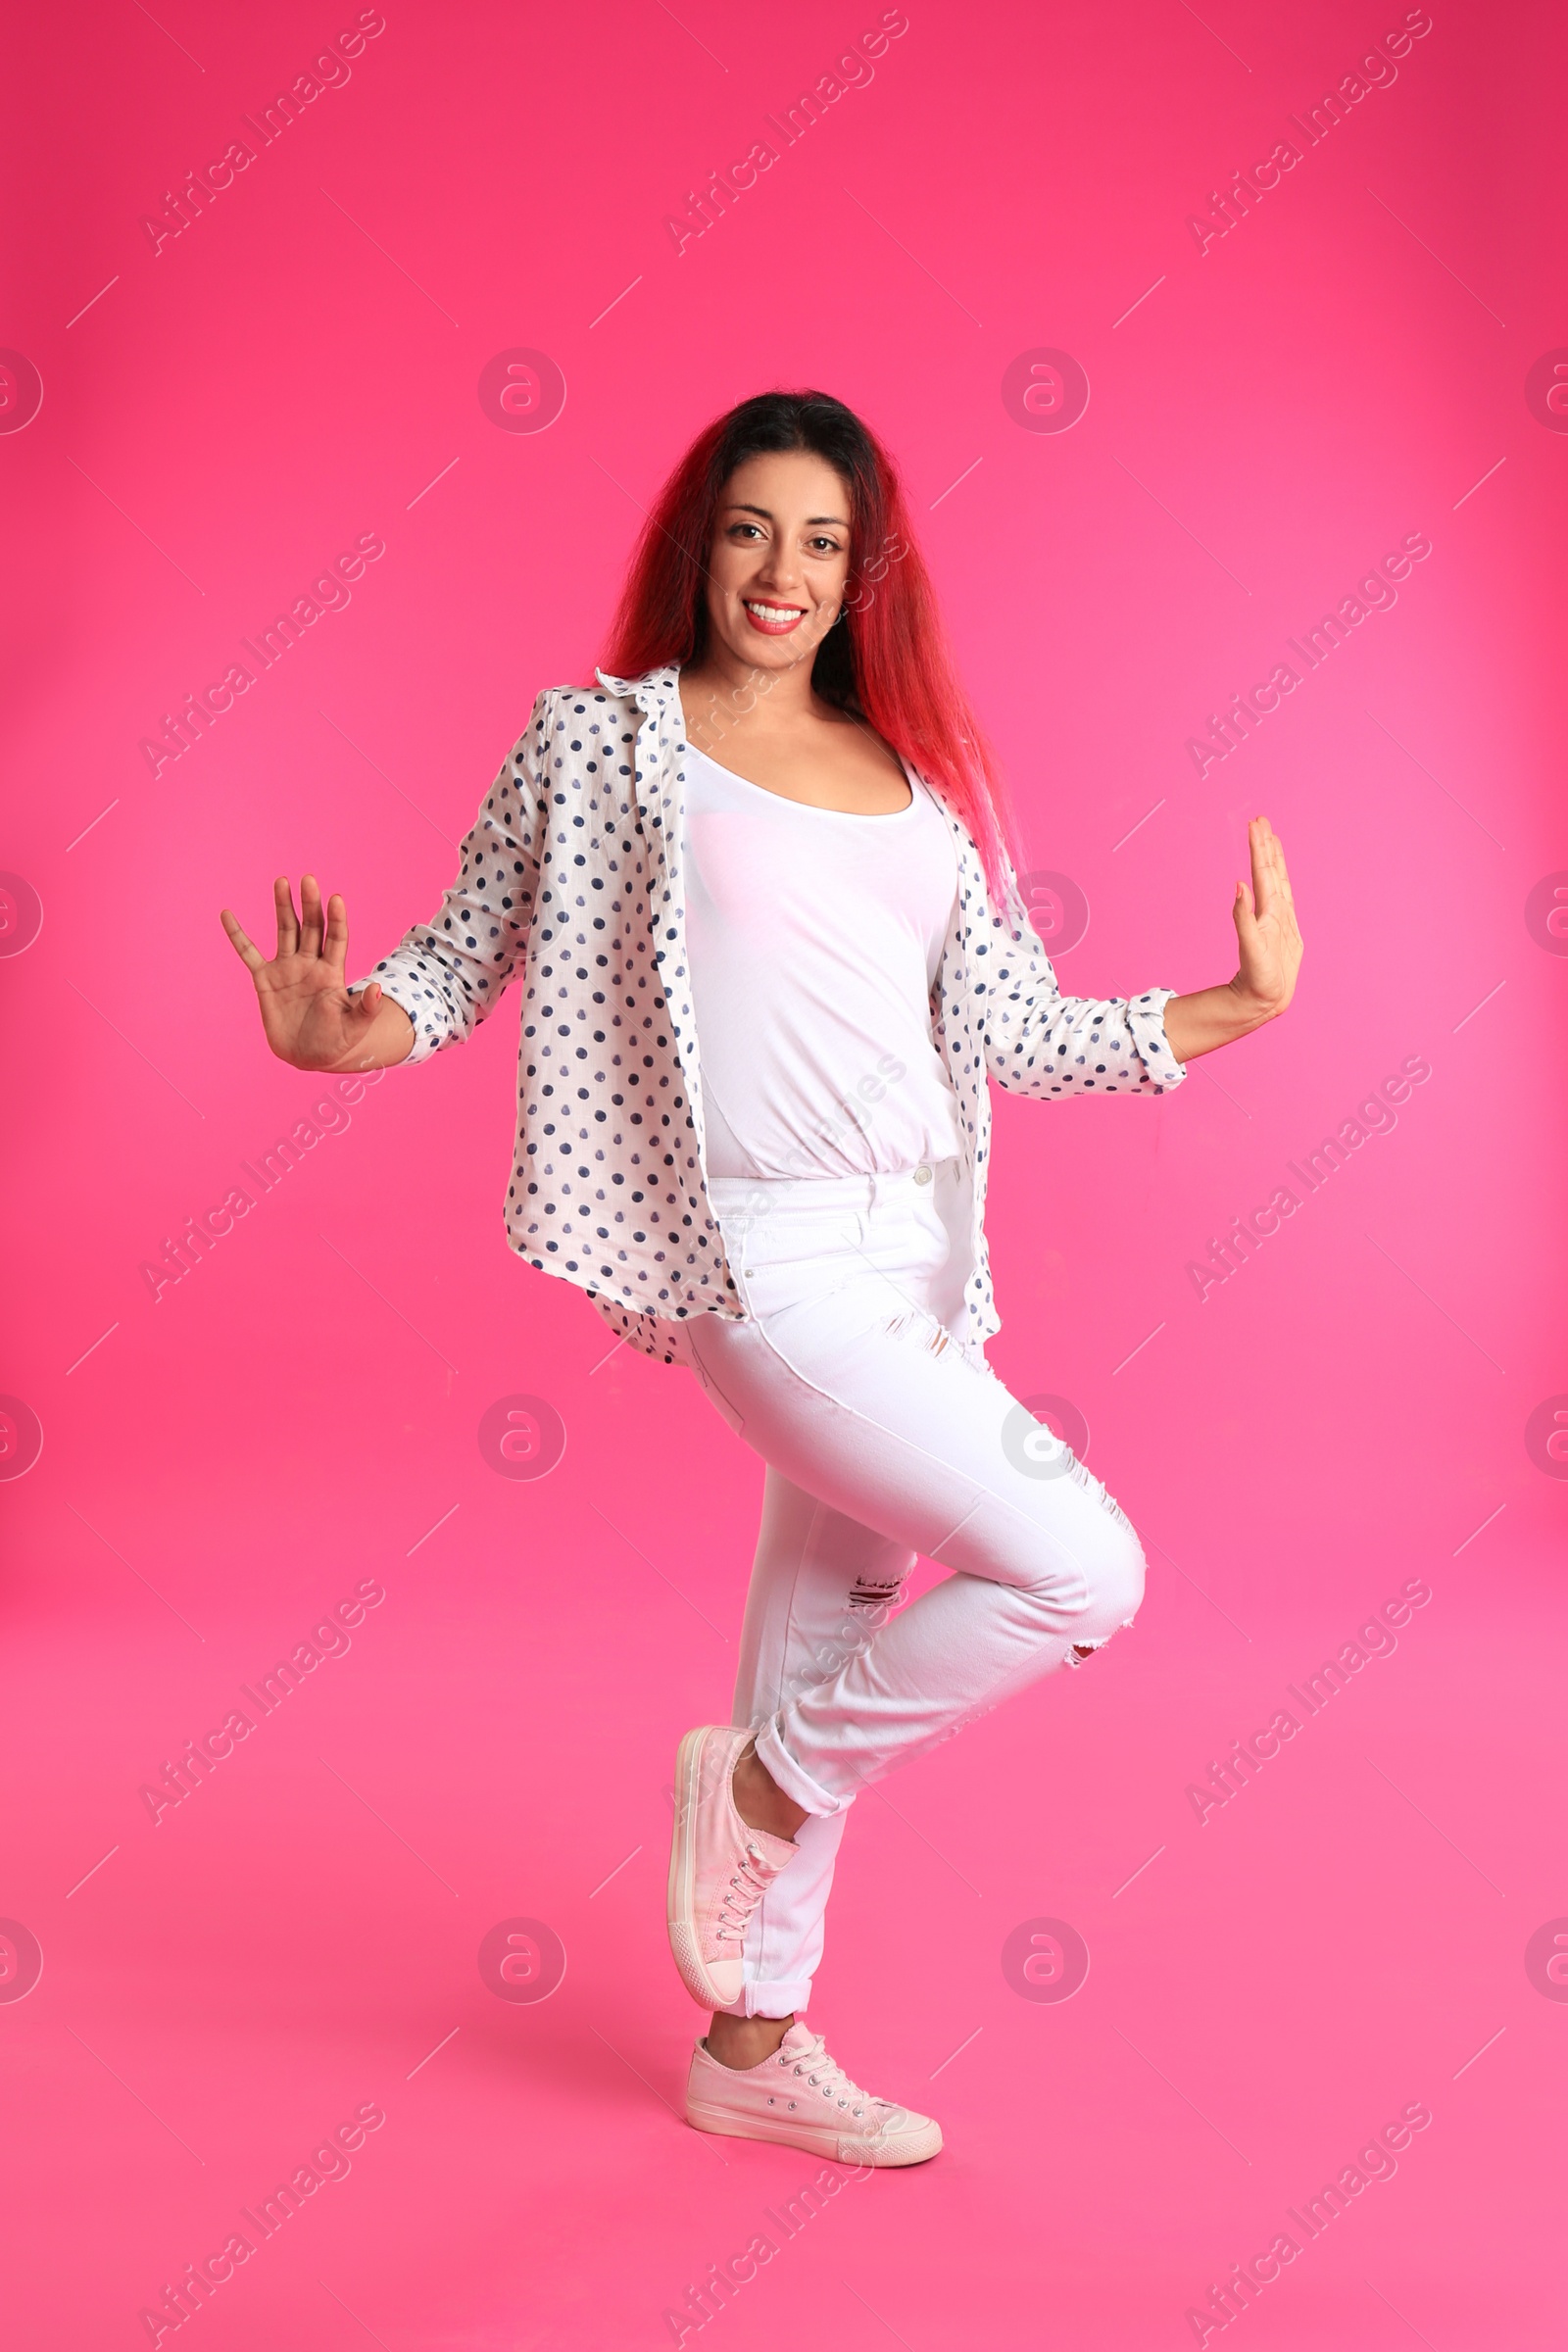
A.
x: 744, y: 507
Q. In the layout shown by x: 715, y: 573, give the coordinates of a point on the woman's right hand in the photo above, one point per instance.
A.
x: 310, y: 1018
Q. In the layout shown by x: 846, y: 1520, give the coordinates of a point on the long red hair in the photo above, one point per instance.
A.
x: 887, y: 663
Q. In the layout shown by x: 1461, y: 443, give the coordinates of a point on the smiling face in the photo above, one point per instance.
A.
x: 780, y: 559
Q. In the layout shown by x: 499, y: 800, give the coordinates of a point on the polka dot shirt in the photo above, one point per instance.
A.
x: 571, y: 878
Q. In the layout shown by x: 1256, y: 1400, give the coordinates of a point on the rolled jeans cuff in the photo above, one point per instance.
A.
x: 782, y: 1997
x: 793, y: 1778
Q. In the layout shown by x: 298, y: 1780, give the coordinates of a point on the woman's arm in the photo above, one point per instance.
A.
x: 1270, y: 946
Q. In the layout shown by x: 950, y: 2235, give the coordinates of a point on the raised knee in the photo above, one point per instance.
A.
x: 1115, y: 1582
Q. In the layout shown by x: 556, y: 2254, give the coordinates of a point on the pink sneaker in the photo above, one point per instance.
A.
x: 802, y: 2098
x: 719, y: 1869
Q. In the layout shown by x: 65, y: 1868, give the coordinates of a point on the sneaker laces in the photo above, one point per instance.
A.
x: 747, y: 1886
x: 826, y: 2074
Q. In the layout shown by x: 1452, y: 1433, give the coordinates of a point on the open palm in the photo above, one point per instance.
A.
x: 306, y: 1012
x: 1266, y: 931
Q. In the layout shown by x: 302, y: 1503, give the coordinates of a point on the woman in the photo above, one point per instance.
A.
x: 761, y: 884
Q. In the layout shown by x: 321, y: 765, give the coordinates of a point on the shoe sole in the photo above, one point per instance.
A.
x: 920, y: 2149
x: 680, y: 1902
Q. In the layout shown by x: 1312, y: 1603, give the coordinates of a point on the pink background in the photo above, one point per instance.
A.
x: 300, y: 1414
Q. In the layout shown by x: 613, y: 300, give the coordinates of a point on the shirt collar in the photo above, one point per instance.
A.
x: 652, y: 690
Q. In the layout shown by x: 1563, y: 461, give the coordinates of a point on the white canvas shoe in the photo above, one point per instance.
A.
x: 802, y: 2098
x: 719, y: 1868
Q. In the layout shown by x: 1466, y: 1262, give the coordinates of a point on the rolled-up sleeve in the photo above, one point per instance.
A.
x: 1039, y: 1042
x: 448, y: 974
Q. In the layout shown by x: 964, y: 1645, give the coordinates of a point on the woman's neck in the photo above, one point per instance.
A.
x: 721, y: 695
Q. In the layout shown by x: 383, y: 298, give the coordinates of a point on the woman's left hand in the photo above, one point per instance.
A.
x: 1267, y: 930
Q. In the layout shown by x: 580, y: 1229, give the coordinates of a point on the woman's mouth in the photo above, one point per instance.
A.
x: 774, y: 620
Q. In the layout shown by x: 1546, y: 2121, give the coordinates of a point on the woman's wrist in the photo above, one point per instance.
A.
x: 1254, y: 1010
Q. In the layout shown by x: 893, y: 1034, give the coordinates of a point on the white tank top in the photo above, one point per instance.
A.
x: 815, y: 939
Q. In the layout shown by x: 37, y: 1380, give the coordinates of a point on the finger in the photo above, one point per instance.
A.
x: 1280, y: 902
x: 1252, y: 955
x: 288, y: 930
x: 250, y: 956
x: 1278, y: 888
x: 1262, y: 873
x: 310, y: 916
x: 363, y: 1007
x: 335, y: 948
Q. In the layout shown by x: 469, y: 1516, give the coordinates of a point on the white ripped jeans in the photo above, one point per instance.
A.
x: 887, y: 1437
